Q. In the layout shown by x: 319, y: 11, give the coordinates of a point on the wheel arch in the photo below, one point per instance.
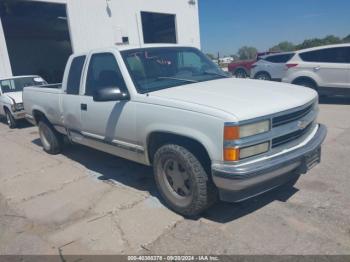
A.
x: 305, y: 78
x: 241, y: 68
x: 38, y: 115
x: 262, y: 72
x: 157, y: 139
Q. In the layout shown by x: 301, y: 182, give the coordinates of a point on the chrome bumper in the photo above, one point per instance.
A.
x: 239, y: 183
x: 19, y: 115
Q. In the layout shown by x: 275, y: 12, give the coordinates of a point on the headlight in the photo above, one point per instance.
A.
x: 19, y: 107
x: 254, y: 150
x: 254, y: 129
x: 237, y: 132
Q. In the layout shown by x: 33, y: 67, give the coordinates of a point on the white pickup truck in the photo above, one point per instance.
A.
x: 11, y: 105
x: 205, y: 134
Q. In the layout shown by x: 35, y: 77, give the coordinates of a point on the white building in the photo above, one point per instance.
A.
x: 37, y: 37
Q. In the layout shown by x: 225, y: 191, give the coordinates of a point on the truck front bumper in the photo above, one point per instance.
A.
x: 19, y: 115
x: 238, y: 183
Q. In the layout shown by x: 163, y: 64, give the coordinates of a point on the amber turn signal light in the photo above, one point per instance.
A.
x: 231, y: 154
x: 231, y: 132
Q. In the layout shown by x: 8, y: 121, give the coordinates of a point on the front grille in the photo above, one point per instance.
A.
x: 288, y: 118
x: 278, y: 141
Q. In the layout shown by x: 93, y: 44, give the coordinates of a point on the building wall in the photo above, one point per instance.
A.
x: 101, y: 23
x: 5, y: 67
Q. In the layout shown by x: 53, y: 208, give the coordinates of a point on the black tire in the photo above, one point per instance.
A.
x: 200, y: 192
x: 240, y: 73
x: 10, y: 120
x: 306, y: 82
x: 51, y: 140
x: 263, y: 76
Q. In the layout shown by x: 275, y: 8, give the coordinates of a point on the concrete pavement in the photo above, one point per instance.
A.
x: 87, y: 202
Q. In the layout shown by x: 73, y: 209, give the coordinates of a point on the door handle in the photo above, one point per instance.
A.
x: 317, y: 68
x: 83, y: 107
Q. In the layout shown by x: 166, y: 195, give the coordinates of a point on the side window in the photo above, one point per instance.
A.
x: 103, y: 72
x: 74, y: 76
x: 347, y: 55
x: 329, y: 55
x: 279, y: 58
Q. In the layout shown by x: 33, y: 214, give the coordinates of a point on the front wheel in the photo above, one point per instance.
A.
x: 182, y: 181
x: 51, y: 140
x: 11, y: 121
x: 240, y: 73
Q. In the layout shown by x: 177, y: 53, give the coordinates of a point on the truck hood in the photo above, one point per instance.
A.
x: 244, y: 99
x: 16, y: 96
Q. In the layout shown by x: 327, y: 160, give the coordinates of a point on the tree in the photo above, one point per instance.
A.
x: 247, y: 52
x: 283, y: 47
x: 328, y: 40
x: 346, y: 39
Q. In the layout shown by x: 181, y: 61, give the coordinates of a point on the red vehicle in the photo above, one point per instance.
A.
x: 241, y: 69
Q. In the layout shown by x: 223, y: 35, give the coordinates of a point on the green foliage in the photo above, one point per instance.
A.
x: 328, y: 40
x: 247, y: 52
x: 346, y: 39
x: 283, y: 47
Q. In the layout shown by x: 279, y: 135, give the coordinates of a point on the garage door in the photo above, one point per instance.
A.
x: 37, y: 38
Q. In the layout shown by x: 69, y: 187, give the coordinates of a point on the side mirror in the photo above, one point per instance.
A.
x: 110, y: 94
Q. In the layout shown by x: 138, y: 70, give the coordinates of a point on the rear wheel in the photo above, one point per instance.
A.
x: 240, y: 73
x: 51, y: 140
x: 10, y: 120
x: 182, y: 181
x: 263, y: 76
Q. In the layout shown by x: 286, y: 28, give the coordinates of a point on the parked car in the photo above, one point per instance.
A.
x: 271, y: 67
x: 11, y: 105
x: 170, y: 107
x: 241, y: 69
x: 325, y: 69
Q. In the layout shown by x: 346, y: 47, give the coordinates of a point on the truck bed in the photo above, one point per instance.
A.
x: 46, y: 99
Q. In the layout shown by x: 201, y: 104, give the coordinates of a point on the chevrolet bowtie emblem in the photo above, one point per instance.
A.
x: 302, y: 125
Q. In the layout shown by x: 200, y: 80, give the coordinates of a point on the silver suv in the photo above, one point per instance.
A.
x: 325, y: 69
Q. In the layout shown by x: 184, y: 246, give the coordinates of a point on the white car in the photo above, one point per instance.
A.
x: 271, y: 67
x: 11, y: 104
x: 325, y: 69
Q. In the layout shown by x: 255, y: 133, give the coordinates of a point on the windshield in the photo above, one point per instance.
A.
x: 17, y: 84
x: 155, y: 69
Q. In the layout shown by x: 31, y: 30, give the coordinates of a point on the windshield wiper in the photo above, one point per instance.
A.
x: 179, y: 79
x: 216, y: 74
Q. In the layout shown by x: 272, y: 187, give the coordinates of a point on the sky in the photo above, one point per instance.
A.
x: 227, y: 25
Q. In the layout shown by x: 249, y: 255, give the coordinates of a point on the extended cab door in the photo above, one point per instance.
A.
x: 70, y: 100
x: 108, y: 126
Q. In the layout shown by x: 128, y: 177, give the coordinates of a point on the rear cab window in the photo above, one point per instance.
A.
x: 74, y: 76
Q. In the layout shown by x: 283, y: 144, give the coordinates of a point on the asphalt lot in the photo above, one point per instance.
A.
x: 87, y: 202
